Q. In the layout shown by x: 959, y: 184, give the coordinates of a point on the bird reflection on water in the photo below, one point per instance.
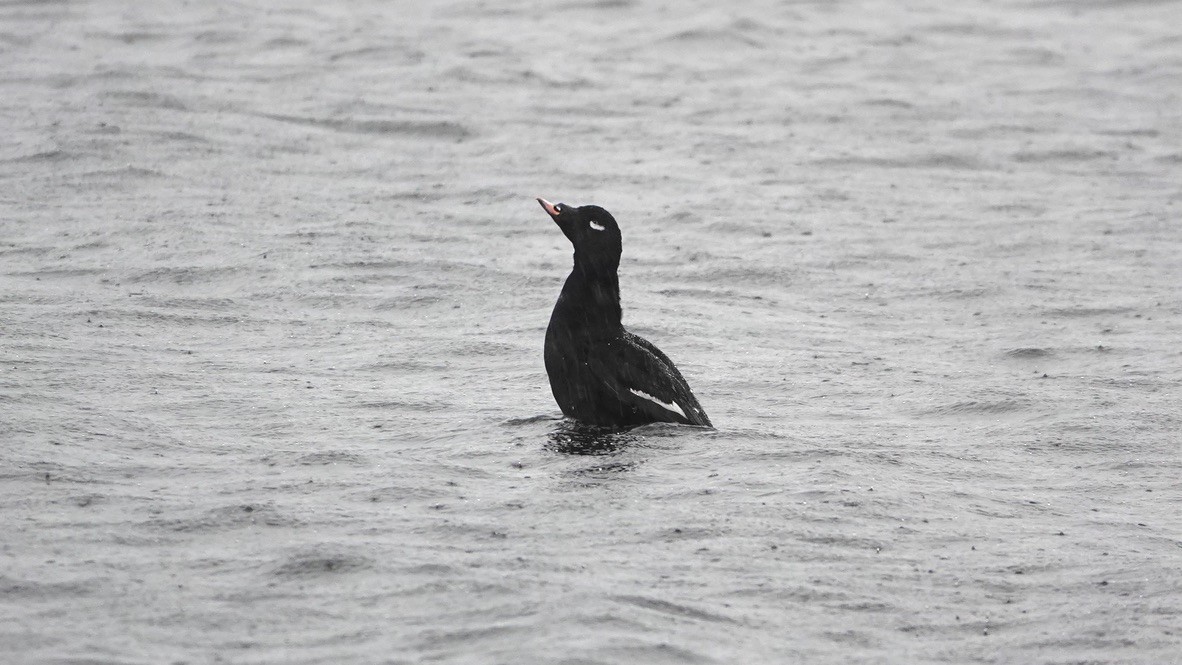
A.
x: 571, y: 437
x: 614, y: 448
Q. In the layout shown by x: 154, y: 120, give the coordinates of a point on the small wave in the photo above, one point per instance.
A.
x: 1130, y: 132
x: 974, y: 407
x: 312, y: 564
x: 226, y: 517
x: 142, y: 99
x: 366, y: 265
x: 179, y: 275
x: 147, y: 314
x: 185, y: 137
x: 60, y: 273
x: 600, y: 4
x: 1018, y: 208
x: 330, y: 457
x: 720, y: 295
x: 963, y: 294
x: 517, y: 422
x: 131, y: 37
x: 1029, y: 352
x: 675, y: 609
x: 889, y: 103
x: 1077, y: 5
x: 840, y: 540
x: 285, y: 42
x: 423, y: 406
x: 406, y: 302
x: 1068, y: 155
x: 442, y: 129
x: 383, y: 54
x: 924, y: 161
x: 742, y: 31
x: 1084, y: 312
x: 13, y: 589
x: 49, y: 156
x: 128, y: 170
x: 979, y: 29
x: 212, y: 304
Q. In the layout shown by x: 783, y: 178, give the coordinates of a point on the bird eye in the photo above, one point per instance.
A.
x: 559, y: 207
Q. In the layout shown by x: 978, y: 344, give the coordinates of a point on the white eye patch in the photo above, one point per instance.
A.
x: 597, y: 226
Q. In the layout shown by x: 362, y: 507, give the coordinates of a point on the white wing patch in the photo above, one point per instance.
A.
x: 597, y: 226
x: 668, y: 406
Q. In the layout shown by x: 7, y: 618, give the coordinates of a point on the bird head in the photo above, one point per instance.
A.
x: 591, y: 229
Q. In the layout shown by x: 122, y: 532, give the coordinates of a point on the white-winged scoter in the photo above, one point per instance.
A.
x: 600, y: 373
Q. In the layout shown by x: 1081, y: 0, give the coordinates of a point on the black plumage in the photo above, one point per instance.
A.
x: 600, y: 373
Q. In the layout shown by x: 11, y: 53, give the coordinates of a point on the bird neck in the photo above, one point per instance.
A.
x: 592, y: 292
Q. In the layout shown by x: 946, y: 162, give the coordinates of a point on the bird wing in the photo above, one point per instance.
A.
x: 639, y: 375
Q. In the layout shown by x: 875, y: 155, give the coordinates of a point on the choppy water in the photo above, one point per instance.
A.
x: 275, y: 286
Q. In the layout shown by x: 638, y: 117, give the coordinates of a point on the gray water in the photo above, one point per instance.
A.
x: 275, y: 288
